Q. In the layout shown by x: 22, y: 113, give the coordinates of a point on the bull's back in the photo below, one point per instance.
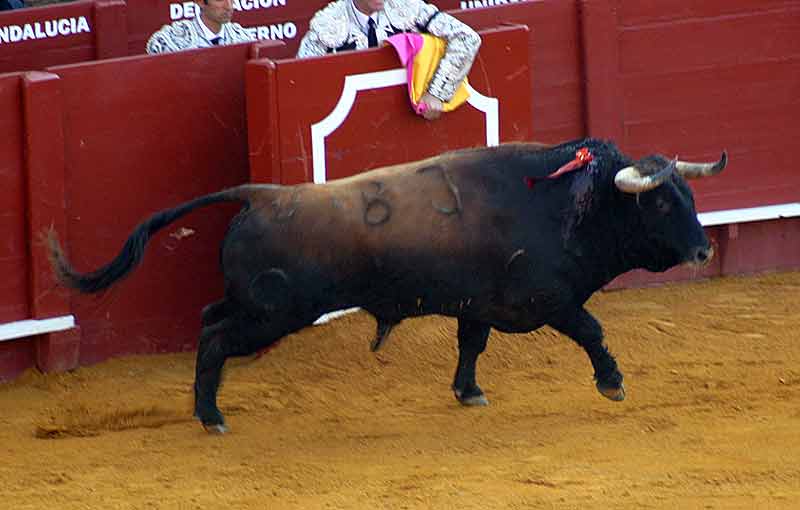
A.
x: 440, y: 227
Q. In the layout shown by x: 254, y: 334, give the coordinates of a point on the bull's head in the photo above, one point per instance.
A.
x: 673, y: 235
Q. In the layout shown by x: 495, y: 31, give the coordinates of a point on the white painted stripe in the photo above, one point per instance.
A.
x: 19, y: 329
x: 490, y: 106
x: 352, y: 85
x: 332, y: 315
x: 355, y: 83
x: 768, y: 212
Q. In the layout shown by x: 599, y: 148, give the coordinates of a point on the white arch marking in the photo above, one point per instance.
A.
x: 355, y: 83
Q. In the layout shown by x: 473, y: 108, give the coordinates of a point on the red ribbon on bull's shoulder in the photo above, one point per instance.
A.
x: 582, y: 158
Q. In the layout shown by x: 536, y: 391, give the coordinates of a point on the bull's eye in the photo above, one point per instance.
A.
x: 663, y: 206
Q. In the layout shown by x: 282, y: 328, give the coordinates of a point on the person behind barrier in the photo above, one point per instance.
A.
x: 211, y: 27
x: 7, y: 5
x: 357, y: 24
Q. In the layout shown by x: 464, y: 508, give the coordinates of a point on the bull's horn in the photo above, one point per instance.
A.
x: 695, y: 170
x: 630, y: 180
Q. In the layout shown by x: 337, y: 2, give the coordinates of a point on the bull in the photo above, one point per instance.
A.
x: 482, y: 235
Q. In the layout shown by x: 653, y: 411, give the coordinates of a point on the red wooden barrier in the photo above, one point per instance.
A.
x: 555, y: 63
x: 13, y: 249
x: 330, y: 117
x: 694, y: 80
x: 60, y: 34
x: 14, y: 355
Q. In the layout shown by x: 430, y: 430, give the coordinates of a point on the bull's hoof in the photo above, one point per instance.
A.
x: 377, y: 343
x: 617, y: 394
x: 216, y: 429
x: 472, y: 399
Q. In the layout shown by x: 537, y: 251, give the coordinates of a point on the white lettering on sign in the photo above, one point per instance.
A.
x: 474, y: 4
x: 279, y: 31
x: 43, y: 29
x: 185, y: 10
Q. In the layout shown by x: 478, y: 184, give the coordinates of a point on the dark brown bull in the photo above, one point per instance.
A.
x: 460, y: 235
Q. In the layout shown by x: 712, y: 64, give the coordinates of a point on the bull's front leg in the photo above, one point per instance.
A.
x: 582, y: 327
x: 472, y: 337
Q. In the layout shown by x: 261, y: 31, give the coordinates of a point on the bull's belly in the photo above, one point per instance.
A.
x: 503, y: 317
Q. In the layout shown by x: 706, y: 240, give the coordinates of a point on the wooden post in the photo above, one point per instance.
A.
x: 46, y: 209
x: 110, y: 29
x: 604, y: 115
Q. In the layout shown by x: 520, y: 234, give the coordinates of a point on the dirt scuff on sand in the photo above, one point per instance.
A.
x: 712, y: 418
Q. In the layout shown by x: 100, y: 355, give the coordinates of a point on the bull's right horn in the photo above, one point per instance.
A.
x: 696, y: 170
x: 630, y: 180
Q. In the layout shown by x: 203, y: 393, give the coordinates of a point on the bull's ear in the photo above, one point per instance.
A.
x: 694, y: 170
x: 631, y: 180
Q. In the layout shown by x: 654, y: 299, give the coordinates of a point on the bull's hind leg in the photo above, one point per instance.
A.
x: 215, y: 312
x: 587, y: 332
x: 236, y: 335
x: 211, y: 355
x: 472, y: 337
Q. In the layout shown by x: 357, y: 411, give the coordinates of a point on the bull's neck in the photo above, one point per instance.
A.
x: 601, y: 244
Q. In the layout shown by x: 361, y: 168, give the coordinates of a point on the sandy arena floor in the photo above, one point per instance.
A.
x: 712, y: 418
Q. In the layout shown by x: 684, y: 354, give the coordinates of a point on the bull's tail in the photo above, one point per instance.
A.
x: 132, y: 252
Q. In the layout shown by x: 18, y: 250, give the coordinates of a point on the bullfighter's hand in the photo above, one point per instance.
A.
x: 433, y: 106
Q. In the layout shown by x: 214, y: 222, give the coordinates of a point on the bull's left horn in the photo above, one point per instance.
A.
x: 630, y: 180
x: 696, y: 170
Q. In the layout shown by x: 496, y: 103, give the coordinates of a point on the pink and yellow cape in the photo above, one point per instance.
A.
x: 421, y: 53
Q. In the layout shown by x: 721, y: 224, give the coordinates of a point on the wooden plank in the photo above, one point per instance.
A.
x: 45, y: 200
x: 753, y: 129
x: 702, y: 43
x: 555, y: 62
x: 659, y: 96
x: 642, y: 12
x: 13, y: 242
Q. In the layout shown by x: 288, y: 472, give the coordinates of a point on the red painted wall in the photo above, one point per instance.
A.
x: 18, y: 354
x: 697, y: 78
x: 13, y: 247
x: 555, y: 62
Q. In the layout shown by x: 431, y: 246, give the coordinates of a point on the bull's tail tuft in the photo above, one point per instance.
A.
x: 133, y: 251
x: 64, y: 272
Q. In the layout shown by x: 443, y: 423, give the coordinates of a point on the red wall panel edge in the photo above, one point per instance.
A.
x: 261, y: 93
x: 44, y: 162
x: 604, y: 115
x: 110, y: 29
x: 46, y: 208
